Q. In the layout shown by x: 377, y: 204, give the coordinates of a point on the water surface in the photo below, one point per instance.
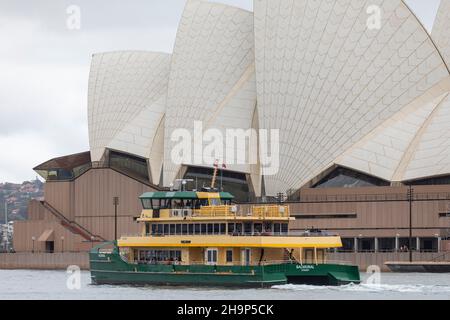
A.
x: 37, y: 284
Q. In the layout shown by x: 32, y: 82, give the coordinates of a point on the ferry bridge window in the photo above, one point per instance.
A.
x: 172, y: 229
x: 156, y: 203
x: 153, y: 228
x: 215, y: 202
x: 257, y: 228
x: 178, y: 229
x: 216, y: 228
x: 191, y: 228
x: 197, y: 228
x: 146, y: 203
x: 166, y: 229
x: 147, y: 228
x: 184, y: 229
x: 210, y: 228
x: 284, y: 228
x: 203, y: 228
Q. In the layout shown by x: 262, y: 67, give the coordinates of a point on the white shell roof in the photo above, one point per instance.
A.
x: 441, y: 30
x: 374, y: 100
x: 326, y: 80
x: 127, y: 92
x: 212, y: 74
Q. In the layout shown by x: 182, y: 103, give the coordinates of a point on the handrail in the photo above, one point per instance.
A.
x: 264, y: 234
x: 76, y: 228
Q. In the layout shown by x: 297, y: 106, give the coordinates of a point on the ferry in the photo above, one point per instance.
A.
x: 191, y: 238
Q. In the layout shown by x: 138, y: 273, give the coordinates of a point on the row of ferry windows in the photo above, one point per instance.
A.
x: 181, y: 203
x: 216, y: 228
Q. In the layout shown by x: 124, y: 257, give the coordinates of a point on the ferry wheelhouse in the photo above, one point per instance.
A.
x: 202, y: 238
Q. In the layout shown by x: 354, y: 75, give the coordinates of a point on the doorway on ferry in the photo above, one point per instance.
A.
x: 211, y: 257
x: 246, y: 257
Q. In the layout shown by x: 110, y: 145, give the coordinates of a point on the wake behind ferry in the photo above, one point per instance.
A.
x: 202, y: 238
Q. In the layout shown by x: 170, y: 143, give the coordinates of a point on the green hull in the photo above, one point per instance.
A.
x: 111, y: 269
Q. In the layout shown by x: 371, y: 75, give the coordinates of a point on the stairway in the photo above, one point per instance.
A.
x: 73, y: 226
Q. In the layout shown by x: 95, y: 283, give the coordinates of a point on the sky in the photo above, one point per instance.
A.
x: 44, y: 67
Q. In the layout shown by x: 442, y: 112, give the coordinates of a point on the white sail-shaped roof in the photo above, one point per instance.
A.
x: 212, y: 74
x: 386, y: 151
x: 127, y: 98
x: 431, y: 156
x: 441, y: 30
x: 326, y: 80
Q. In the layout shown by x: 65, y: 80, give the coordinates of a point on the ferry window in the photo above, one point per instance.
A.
x: 229, y: 256
x: 239, y: 228
x: 165, y: 203
x: 284, y: 228
x: 147, y: 228
x: 230, y: 228
x: 146, y: 203
x: 257, y: 228
x: 156, y: 203
x: 247, y: 228
x: 159, y: 229
x: 197, y: 228
x: 178, y: 229
x: 191, y: 229
x: 223, y: 228
x: 153, y: 228
x: 203, y: 228
x: 172, y: 229
x: 166, y: 229
x: 216, y: 228
x: 276, y: 228
x: 214, y: 202
x: 210, y: 228
x: 184, y: 229
x: 267, y: 227
x: 178, y: 204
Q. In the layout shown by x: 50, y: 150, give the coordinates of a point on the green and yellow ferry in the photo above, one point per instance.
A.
x: 201, y: 238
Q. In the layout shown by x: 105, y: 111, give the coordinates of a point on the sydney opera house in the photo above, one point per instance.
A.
x: 361, y: 109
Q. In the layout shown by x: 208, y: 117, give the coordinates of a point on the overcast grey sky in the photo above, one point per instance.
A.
x: 44, y: 67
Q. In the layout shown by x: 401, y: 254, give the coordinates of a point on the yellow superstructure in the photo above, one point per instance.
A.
x: 206, y: 228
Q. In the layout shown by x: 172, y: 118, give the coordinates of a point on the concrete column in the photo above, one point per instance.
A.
x: 356, y: 244
x: 417, y: 244
x: 376, y: 244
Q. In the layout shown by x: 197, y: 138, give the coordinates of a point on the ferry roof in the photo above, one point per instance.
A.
x: 186, y: 195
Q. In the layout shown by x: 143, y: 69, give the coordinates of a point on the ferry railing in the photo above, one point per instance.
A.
x: 236, y: 234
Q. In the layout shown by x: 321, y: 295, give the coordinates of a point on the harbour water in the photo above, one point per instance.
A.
x: 37, y: 284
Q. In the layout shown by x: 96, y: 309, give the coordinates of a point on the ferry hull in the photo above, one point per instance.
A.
x: 109, y: 268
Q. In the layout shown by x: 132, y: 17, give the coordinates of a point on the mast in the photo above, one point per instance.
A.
x: 216, y: 168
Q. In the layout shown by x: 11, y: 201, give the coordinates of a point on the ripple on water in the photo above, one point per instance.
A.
x: 372, y: 288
